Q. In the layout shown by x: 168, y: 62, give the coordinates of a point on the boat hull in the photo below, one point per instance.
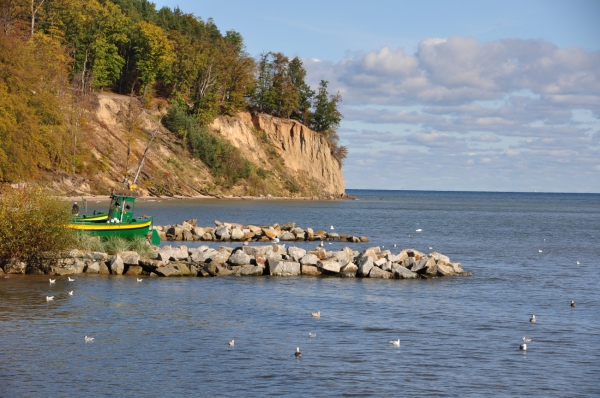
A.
x: 90, y: 217
x: 133, y: 229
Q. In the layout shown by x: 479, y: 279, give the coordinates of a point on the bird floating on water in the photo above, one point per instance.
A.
x: 71, y: 280
x: 311, y: 335
x: 52, y: 281
x: 523, y: 347
x: 71, y: 293
x: 331, y: 227
x: 395, y: 343
x: 139, y: 280
x: 49, y: 298
x: 430, y: 248
x: 316, y: 314
x: 532, y: 319
x: 419, y: 230
x: 298, y: 354
x: 232, y: 343
x: 88, y: 339
x: 540, y: 251
x: 578, y: 263
x: 527, y: 339
x: 246, y: 243
x: 394, y: 245
x: 321, y: 244
x: 409, y: 236
x: 572, y: 304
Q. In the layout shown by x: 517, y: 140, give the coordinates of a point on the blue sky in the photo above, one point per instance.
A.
x: 446, y: 95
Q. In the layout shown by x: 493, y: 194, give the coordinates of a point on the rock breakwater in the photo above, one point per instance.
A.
x: 272, y: 259
x: 234, y: 232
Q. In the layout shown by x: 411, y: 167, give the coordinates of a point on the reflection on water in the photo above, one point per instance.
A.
x: 459, y: 336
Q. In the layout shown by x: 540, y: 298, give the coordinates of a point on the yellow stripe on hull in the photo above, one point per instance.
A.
x: 109, y: 227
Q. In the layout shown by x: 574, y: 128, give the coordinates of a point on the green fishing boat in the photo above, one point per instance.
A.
x: 91, y: 217
x: 120, y: 221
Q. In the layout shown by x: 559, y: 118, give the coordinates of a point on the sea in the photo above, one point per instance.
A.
x: 529, y: 253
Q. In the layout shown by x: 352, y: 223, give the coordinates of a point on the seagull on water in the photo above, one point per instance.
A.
x: 139, y: 280
x: 316, y: 314
x: 331, y: 227
x: 311, y: 335
x: 394, y: 245
x: 527, y: 339
x: 430, y: 248
x: 88, y: 339
x: 409, y: 236
x: 52, y: 281
x: 71, y: 280
x: 49, y: 298
x: 578, y: 263
x: 71, y: 293
x: 540, y: 251
x: 246, y: 243
x: 532, y: 319
x: 395, y: 343
x: 232, y: 343
x: 418, y: 230
x: 523, y: 347
x: 572, y: 304
x: 298, y: 354
x: 321, y: 244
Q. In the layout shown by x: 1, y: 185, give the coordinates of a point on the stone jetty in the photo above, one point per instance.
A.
x: 233, y: 232
x: 254, y: 260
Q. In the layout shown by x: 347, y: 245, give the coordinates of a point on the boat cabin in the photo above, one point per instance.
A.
x: 121, y: 209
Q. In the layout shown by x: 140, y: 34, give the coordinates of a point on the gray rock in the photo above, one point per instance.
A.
x: 439, y: 257
x: 380, y: 262
x: 287, y: 236
x: 167, y: 271
x: 222, y: 233
x: 288, y: 226
x: 130, y: 257
x: 309, y: 259
x: 333, y: 235
x: 182, y: 267
x: 296, y: 253
x: 329, y: 265
x: 93, y: 267
x: 164, y: 255
x: 403, y: 273
x: 237, y: 234
x: 179, y: 253
x: 444, y: 270
x: 239, y: 258
x: 420, y: 266
x: 116, y: 265
x: 251, y: 270
x: 134, y: 270
x: 15, y: 267
x: 310, y: 234
x: 377, y: 272
x: 408, y: 262
x: 285, y: 268
x: 457, y: 267
x: 256, y: 250
x: 104, y: 270
x: 97, y: 256
x: 365, y: 264
x: 349, y: 270
x: 310, y: 270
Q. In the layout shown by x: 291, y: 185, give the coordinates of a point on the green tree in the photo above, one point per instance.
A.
x: 154, y: 53
x: 305, y: 95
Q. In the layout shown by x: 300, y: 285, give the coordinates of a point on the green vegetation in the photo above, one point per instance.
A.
x: 113, y: 245
x: 33, y: 225
x: 53, y: 53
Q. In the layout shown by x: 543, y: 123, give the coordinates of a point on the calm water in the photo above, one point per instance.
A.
x: 460, y: 336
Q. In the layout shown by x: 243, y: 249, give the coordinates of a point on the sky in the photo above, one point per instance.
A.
x: 445, y: 95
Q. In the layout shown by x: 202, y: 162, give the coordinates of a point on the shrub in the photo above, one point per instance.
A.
x: 33, y: 225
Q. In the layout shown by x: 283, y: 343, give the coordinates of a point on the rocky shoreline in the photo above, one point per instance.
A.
x: 273, y: 259
x: 233, y: 232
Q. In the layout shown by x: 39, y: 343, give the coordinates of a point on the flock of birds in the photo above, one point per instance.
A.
x: 70, y: 292
x: 298, y: 354
x: 523, y: 347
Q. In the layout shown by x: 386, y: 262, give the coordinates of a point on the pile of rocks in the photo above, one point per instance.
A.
x: 228, y: 232
x: 272, y: 259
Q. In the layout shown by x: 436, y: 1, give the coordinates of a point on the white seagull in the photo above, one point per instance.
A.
x: 298, y: 354
x: 321, y: 244
x: 572, y: 304
x: 232, y: 343
x: 71, y: 280
x: 540, y: 251
x: 430, y: 248
x: 331, y: 227
x: 527, y: 339
x: 578, y: 262
x: 49, y: 298
x: 394, y: 245
x: 139, y: 280
x: 523, y: 347
x: 88, y: 339
x: 71, y: 293
x: 532, y: 319
x: 316, y: 314
x: 395, y: 343
x: 52, y: 281
x: 419, y: 230
x: 311, y: 335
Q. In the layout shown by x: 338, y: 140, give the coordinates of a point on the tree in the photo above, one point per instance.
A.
x: 132, y: 122
x: 327, y: 118
x: 305, y: 94
x: 154, y: 53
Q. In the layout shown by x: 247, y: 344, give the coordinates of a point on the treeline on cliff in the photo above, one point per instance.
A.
x: 55, y: 52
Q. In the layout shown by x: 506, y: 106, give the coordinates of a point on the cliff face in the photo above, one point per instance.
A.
x: 296, y: 160
x: 303, y: 151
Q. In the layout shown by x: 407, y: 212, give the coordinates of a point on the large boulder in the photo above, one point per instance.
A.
x: 167, y: 271
x: 310, y: 270
x: 251, y: 270
x: 403, y: 273
x: 380, y: 262
x: 349, y: 270
x: 309, y: 259
x: 444, y: 269
x: 237, y: 234
x: 93, y: 267
x: 15, y: 266
x: 96, y: 256
x: 179, y: 253
x: 134, y: 270
x: 296, y: 253
x: 330, y: 265
x: 377, y: 272
x: 457, y: 267
x: 439, y: 257
x: 288, y: 226
x: 222, y: 233
x: 116, y: 265
x: 285, y: 268
x: 164, y: 254
x: 256, y: 250
x: 239, y: 258
x: 269, y: 232
x: 130, y: 257
x: 365, y: 264
x: 287, y: 236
